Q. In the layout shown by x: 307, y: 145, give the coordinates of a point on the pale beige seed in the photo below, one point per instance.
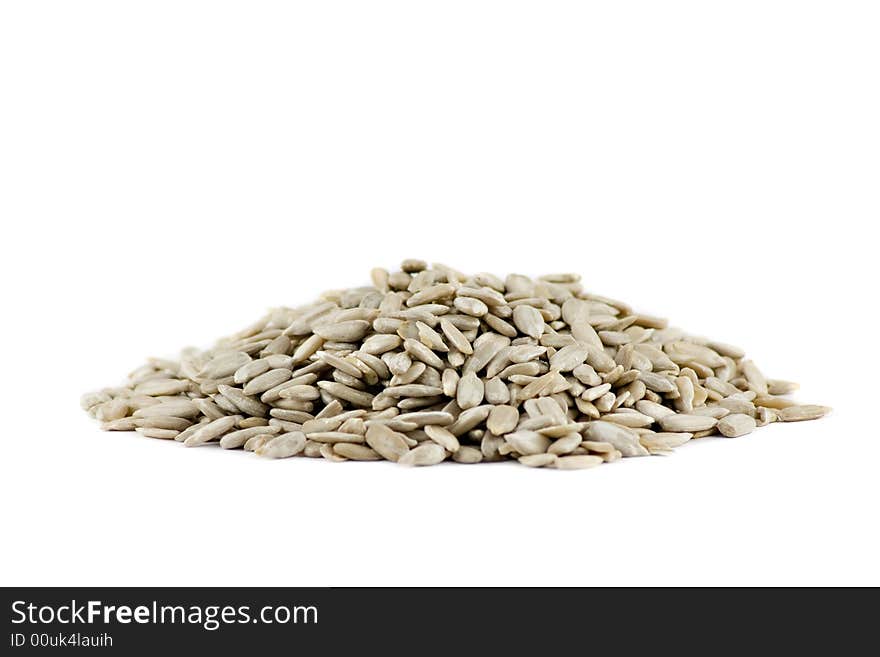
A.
x: 737, y: 405
x: 717, y: 412
x: 736, y: 424
x: 356, y: 452
x: 283, y: 446
x: 548, y: 384
x: 559, y: 430
x: 115, y: 409
x: 689, y: 353
x: 656, y: 382
x: 424, y: 454
x: 122, y: 424
x: 565, y: 444
x: 210, y: 409
x: 342, y: 391
x: 685, y: 423
x: 340, y: 364
x: 255, y: 442
x: 592, y: 394
x: 496, y: 392
x: 527, y: 442
x: 242, y: 402
x: 753, y: 375
x: 431, y: 294
x: 665, y: 440
x: 263, y: 382
x: 159, y: 387
x: 685, y: 388
x: 326, y: 451
x: 250, y: 369
x: 309, y: 347
x: 92, y: 399
x: 420, y: 352
x: 160, y: 422
x: 486, y: 294
x: 223, y: 365
x: 524, y: 353
x: 176, y: 408
x: 389, y: 444
x: 413, y: 390
x: 397, y: 425
x: 780, y: 387
x: 430, y: 338
x: 653, y: 409
x: 312, y: 450
x: 322, y: 424
x: 290, y: 415
x: 598, y: 447
x: 279, y: 345
x: 728, y: 350
x: 423, y: 418
x: 349, y: 331
x: 486, y: 347
x: 631, y: 420
x: 301, y: 392
x: 212, y: 430
x: 163, y: 434
x: 538, y: 460
x: 587, y: 375
x: 376, y: 364
x: 470, y: 391
x: 186, y: 433
x: 471, y: 306
x: 529, y: 321
x: 502, y: 420
x: 765, y: 416
x: 380, y: 344
x: 467, y: 454
x: 456, y: 337
x: 568, y: 358
x: 335, y: 437
x: 580, y: 462
x: 622, y: 438
x: 802, y: 412
x: 236, y: 439
x: 442, y: 437
x: 379, y: 277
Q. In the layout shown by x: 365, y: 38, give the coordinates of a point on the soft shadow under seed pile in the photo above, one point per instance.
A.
x: 429, y: 364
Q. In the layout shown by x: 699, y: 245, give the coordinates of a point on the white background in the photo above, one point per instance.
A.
x: 169, y: 170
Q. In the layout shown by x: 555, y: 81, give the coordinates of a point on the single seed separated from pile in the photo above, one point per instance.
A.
x: 428, y: 364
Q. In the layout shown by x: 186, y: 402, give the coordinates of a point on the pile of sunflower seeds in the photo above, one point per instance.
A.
x: 429, y: 364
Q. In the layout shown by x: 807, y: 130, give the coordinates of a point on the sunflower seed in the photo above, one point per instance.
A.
x: 684, y: 423
x: 805, y: 412
x: 283, y: 446
x: 443, y: 438
x: 356, y: 452
x: 538, y: 460
x: 467, y: 454
x: 736, y: 424
x: 212, y: 430
x: 236, y: 439
x: 578, y: 462
x: 529, y: 320
x: 470, y: 391
x: 389, y: 444
x: 424, y: 454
